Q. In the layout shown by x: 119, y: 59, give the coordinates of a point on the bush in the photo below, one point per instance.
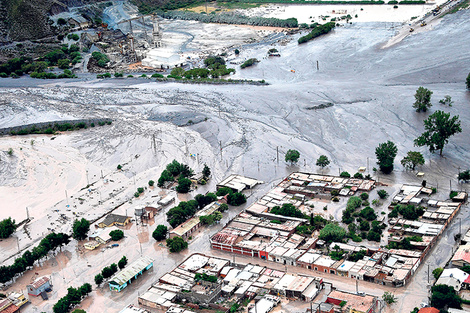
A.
x: 332, y: 233
x: 118, y: 74
x: 156, y: 75
x: 116, y: 234
x: 236, y: 199
x: 176, y: 244
x: 317, y: 31
x: 160, y: 232
x: 287, y: 209
x: 249, y: 62
x: 63, y: 64
x: 364, y: 196
x: 7, y: 227
x: 345, y: 175
x: 382, y: 194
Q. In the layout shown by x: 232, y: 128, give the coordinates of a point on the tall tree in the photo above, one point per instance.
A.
x: 7, y: 227
x: 206, y: 171
x: 438, y: 128
x: 386, y: 153
x: 80, y: 229
x: 412, y: 159
x: 423, y: 99
x: 292, y: 156
x: 323, y: 161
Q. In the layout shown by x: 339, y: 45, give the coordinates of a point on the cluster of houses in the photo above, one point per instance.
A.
x: 231, y: 283
x: 260, y: 234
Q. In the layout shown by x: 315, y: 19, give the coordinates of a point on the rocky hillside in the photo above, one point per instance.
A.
x: 29, y: 19
x: 147, y: 6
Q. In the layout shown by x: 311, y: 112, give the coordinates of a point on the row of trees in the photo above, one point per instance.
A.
x: 317, y: 31
x: 50, y: 243
x: 74, y: 296
x: 439, y: 127
x: 109, y: 271
x: 216, y: 68
x: 230, y: 18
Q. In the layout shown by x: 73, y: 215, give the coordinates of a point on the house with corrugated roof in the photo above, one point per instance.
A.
x: 130, y: 273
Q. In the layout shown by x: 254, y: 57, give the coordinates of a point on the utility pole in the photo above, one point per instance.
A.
x: 428, y: 273
x: 318, y: 67
x: 27, y: 213
x: 357, y: 286
x: 87, y: 179
x: 277, y: 154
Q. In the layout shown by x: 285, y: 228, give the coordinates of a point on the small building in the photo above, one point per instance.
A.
x: 114, y: 219
x: 186, y: 229
x: 167, y: 200
x: 353, y: 302
x: 6, y: 306
x: 91, y: 245
x: 197, y: 178
x: 461, y: 256
x: 133, y: 309
x: 18, y: 299
x: 120, y: 280
x: 102, y: 236
x: 38, y: 286
x: 79, y: 22
x: 238, y: 183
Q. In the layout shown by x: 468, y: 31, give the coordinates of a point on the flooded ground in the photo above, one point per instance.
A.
x: 371, y: 91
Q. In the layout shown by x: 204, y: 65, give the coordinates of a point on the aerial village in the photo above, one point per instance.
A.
x: 270, y: 256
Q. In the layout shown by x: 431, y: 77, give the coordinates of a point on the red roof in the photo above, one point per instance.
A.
x: 428, y: 310
x: 11, y: 309
x: 39, y: 282
x: 462, y: 254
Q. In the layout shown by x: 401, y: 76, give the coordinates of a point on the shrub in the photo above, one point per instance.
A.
x: 236, y: 199
x: 116, y: 234
x: 160, y: 232
x: 317, y: 31
x: 249, y: 62
x: 364, y: 196
x: 118, y: 74
x: 176, y: 244
x: 382, y: 194
x: 345, y: 175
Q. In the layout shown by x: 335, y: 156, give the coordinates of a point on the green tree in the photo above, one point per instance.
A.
x: 160, y: 232
x: 63, y: 64
x: 323, y: 161
x: 177, y: 72
x: 382, y: 194
x: 80, y: 229
x: 223, y: 207
x: 184, y: 185
x: 437, y: 272
x: 386, y: 153
x: 292, y: 156
x: 468, y: 81
x: 443, y: 296
x: 151, y: 183
x: 344, y: 175
x: 389, y: 297
x: 79, y: 311
x: 7, y: 227
x: 332, y: 232
x: 207, y: 219
x: 116, y: 234
x: 287, y: 209
x: 224, y: 191
x: 438, y: 128
x: 423, y: 99
x: 61, y: 21
x: 206, y: 171
x: 98, y: 279
x: 236, y: 199
x: 122, y: 262
x: 412, y: 159
x: 176, y: 244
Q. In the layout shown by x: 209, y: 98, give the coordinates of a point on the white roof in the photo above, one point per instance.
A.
x: 456, y: 273
x: 132, y: 309
x: 346, y: 266
x: 194, y: 262
x: 285, y: 281
x: 309, y: 257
